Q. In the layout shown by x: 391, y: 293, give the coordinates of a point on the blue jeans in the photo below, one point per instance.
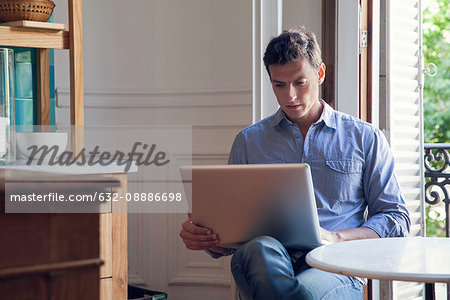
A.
x: 262, y: 269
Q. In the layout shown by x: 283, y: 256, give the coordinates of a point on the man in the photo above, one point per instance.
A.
x: 352, y: 169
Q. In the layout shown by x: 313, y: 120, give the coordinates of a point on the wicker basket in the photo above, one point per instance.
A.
x: 32, y: 10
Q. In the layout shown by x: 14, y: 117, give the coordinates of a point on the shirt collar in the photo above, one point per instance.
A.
x: 279, y: 116
x: 327, y: 116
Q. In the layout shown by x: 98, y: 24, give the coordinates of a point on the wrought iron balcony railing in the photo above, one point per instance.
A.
x: 437, y: 169
x: 437, y: 174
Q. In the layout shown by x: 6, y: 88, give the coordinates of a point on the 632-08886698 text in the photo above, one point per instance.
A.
x: 157, y: 197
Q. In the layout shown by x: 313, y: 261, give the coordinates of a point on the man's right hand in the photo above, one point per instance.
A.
x: 199, y: 238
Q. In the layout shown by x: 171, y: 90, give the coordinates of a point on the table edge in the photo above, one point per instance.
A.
x: 414, y: 277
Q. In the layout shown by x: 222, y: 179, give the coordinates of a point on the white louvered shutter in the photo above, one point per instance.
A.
x: 404, y: 91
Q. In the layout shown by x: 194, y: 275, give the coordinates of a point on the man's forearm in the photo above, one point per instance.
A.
x: 349, y: 234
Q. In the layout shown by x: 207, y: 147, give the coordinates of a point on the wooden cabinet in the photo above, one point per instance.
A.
x: 65, y: 256
x: 48, y: 256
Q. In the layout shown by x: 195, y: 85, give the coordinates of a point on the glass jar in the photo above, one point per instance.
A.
x: 7, y: 113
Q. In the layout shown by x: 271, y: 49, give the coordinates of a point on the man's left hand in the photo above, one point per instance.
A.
x: 347, y: 234
x: 328, y: 237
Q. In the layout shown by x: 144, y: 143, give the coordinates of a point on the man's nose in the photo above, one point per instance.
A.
x: 292, y: 92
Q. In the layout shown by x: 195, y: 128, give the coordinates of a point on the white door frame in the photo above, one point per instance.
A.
x: 267, y: 23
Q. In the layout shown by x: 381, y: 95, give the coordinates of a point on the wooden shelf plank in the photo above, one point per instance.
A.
x: 119, y: 242
x: 76, y: 66
x: 33, y: 38
x: 106, y: 245
x: 50, y: 267
x: 36, y: 25
x: 43, y: 84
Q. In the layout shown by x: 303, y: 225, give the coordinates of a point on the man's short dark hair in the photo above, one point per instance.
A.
x: 291, y: 45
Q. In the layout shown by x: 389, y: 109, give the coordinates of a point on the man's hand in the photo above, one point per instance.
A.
x: 347, y: 234
x: 200, y: 238
x: 328, y: 237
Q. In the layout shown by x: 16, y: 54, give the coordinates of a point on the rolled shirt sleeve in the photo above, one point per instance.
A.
x: 388, y: 215
x: 217, y: 255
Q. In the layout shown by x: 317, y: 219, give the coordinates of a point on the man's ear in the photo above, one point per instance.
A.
x: 321, y: 73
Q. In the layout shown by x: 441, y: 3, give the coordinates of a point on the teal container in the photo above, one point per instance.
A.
x: 7, y: 115
x: 26, y: 86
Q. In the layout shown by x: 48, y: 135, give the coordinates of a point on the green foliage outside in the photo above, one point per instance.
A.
x: 436, y: 93
x: 435, y: 221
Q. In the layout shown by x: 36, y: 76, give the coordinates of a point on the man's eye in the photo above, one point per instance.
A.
x: 300, y: 83
x: 279, y: 85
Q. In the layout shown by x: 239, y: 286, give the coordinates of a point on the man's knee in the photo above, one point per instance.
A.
x: 258, y: 248
x: 255, y: 266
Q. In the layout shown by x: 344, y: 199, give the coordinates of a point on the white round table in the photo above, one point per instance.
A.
x: 415, y: 259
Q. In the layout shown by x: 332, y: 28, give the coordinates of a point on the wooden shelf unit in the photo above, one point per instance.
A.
x: 113, y: 227
x: 44, y: 39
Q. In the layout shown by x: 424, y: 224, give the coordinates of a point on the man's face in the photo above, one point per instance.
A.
x: 296, y: 86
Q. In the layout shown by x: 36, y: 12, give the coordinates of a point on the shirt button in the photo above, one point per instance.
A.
x: 296, y: 136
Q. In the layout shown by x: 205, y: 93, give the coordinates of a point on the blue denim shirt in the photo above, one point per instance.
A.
x: 351, y: 165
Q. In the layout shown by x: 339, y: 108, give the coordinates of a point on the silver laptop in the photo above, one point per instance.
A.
x: 241, y: 202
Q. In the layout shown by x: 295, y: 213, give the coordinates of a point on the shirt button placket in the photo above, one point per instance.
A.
x: 298, y: 139
x: 306, y: 143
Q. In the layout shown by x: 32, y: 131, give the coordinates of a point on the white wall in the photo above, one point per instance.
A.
x: 306, y: 13
x: 156, y: 44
